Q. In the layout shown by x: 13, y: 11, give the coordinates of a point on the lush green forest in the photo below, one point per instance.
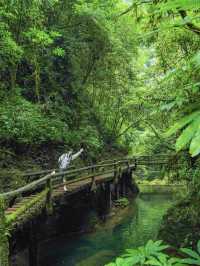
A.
x: 67, y: 77
x: 117, y: 78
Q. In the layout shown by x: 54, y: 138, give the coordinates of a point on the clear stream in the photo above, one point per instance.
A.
x: 141, y: 223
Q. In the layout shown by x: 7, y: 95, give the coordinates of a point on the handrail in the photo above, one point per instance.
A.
x: 89, y: 168
x: 35, y: 183
x: 26, y: 188
x: 82, y: 178
x: 47, y: 171
x: 140, y: 160
x: 140, y: 157
x: 57, y: 169
x: 43, y: 172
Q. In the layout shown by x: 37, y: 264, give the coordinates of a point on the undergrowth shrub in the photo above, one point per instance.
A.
x: 154, y: 253
x: 24, y: 122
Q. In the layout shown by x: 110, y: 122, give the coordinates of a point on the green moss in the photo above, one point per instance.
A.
x: 4, y: 244
x: 122, y: 202
x: 11, y: 218
x: 157, y: 189
x: 181, y: 224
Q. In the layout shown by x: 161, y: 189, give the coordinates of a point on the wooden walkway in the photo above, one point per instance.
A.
x: 18, y: 210
x: 40, y: 193
x: 43, y: 189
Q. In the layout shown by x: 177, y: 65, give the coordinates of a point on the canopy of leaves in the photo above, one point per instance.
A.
x: 64, y: 68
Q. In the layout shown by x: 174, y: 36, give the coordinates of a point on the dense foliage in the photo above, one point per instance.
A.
x: 64, y: 68
x: 94, y: 73
x: 154, y: 253
x: 169, y: 82
x: 103, y: 75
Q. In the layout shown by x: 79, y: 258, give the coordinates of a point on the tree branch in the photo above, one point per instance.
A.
x: 189, y: 25
x: 165, y: 144
x: 130, y: 8
x: 129, y: 127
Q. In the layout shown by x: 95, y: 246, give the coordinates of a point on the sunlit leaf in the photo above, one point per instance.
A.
x: 195, y: 144
x: 191, y: 253
x: 187, y: 134
x: 182, y: 122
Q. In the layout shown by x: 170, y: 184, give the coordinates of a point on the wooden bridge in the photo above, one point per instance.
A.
x: 46, y: 186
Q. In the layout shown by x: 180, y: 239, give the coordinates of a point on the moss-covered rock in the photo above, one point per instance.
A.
x: 122, y: 202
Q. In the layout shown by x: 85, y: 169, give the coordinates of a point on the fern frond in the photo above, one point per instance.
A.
x: 182, y: 123
x: 187, y: 134
x: 195, y: 144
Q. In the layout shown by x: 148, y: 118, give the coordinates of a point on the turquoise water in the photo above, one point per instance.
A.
x: 140, y: 223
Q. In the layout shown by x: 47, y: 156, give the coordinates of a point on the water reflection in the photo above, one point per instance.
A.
x: 141, y: 223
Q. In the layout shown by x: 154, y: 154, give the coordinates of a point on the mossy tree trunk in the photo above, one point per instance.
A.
x: 4, y: 243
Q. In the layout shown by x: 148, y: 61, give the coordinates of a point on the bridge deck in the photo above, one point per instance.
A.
x: 18, y: 211
x: 35, y: 195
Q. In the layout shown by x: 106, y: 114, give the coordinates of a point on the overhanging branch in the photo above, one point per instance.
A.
x: 192, y: 27
x: 133, y: 6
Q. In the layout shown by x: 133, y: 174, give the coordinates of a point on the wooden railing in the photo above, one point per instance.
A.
x: 55, y: 178
x: 139, y: 160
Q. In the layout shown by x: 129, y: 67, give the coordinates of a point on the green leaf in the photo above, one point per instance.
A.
x: 187, y: 134
x: 198, y: 246
x: 153, y: 261
x: 191, y: 253
x: 191, y: 261
x: 175, y: 260
x: 131, y: 252
x: 195, y: 144
x: 181, y: 123
x: 119, y: 262
x: 177, y: 4
x: 130, y: 261
x: 163, y: 258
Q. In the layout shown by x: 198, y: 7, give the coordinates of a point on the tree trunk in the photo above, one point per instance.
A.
x: 13, y: 75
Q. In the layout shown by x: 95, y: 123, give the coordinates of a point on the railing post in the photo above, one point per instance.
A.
x: 49, y: 204
x: 117, y: 182
x: 93, y: 187
x: 128, y: 175
x: 128, y: 167
x: 93, y: 170
x: 115, y: 174
x: 120, y: 185
x: 110, y: 194
x: 4, y: 243
x: 115, y: 168
x: 120, y: 172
